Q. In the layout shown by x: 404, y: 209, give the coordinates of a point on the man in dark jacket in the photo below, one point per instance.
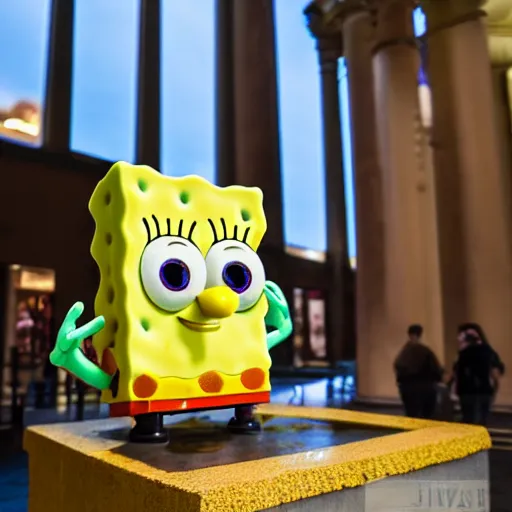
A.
x: 418, y: 372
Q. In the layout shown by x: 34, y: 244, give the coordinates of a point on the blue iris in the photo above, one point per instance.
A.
x: 175, y: 275
x: 237, y: 276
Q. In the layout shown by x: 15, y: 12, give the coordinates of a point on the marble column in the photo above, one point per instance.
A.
x: 504, y: 127
x: 411, y: 280
x: 358, y: 40
x: 224, y: 94
x: 148, y: 94
x: 57, y: 104
x: 474, y: 219
x: 338, y: 321
x: 256, y: 128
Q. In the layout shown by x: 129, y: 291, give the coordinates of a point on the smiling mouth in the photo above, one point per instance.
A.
x: 200, y: 326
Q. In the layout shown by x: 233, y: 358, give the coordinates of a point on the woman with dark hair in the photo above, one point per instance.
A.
x: 476, y: 374
x: 477, y: 330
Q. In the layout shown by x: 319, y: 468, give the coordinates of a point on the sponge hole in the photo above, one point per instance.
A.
x: 110, y: 295
x: 246, y: 215
x: 145, y: 324
x: 115, y: 325
x: 108, y: 238
x: 143, y: 185
x: 108, y: 198
x: 184, y: 197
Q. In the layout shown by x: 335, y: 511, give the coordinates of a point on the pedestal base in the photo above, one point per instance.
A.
x: 305, y: 459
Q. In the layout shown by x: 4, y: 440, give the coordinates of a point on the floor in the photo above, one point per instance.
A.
x: 13, y: 462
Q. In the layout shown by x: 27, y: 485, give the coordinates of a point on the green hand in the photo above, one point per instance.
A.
x: 278, y: 315
x: 68, y: 355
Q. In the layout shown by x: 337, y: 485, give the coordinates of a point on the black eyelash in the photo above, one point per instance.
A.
x: 192, y: 227
x: 148, y: 230
x: 168, y: 222
x: 225, y: 229
x: 214, y: 231
x: 225, y: 232
x: 157, y: 226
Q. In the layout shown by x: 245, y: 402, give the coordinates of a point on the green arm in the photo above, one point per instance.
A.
x: 278, y: 315
x: 68, y: 355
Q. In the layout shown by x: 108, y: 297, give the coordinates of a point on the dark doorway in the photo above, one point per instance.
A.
x: 309, y: 342
x: 29, y: 332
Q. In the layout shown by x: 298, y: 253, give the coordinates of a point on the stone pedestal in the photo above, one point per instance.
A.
x: 306, y: 459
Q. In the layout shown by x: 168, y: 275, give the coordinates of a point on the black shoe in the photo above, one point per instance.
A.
x: 149, y: 429
x: 244, y: 421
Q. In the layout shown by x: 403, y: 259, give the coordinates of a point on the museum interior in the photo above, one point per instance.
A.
x: 380, y: 132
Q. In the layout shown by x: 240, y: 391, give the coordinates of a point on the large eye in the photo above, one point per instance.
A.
x: 234, y: 264
x: 173, y: 272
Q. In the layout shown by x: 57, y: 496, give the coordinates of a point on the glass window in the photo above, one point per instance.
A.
x: 420, y: 22
x: 24, y: 38
x: 188, y: 88
x: 301, y: 130
x: 348, y: 161
x: 420, y: 28
x: 105, y: 62
x: 424, y: 93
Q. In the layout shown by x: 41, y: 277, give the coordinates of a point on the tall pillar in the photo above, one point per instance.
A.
x: 224, y: 94
x: 358, y: 40
x: 257, y: 157
x: 339, y: 331
x: 410, y: 275
x: 57, y: 104
x: 148, y: 97
x: 504, y: 129
x: 474, y: 220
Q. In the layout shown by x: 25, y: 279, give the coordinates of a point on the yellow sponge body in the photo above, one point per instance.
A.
x: 144, y: 339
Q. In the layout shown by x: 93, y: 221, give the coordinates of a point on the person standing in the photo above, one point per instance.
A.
x: 418, y: 373
x: 477, y: 372
x: 498, y: 367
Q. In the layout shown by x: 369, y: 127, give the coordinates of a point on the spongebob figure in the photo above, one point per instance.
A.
x: 186, y: 317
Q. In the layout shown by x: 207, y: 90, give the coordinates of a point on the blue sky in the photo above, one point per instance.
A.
x: 301, y: 129
x: 104, y: 94
x: 23, y: 39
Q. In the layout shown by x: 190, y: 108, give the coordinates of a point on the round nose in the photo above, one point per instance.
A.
x: 218, y: 302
